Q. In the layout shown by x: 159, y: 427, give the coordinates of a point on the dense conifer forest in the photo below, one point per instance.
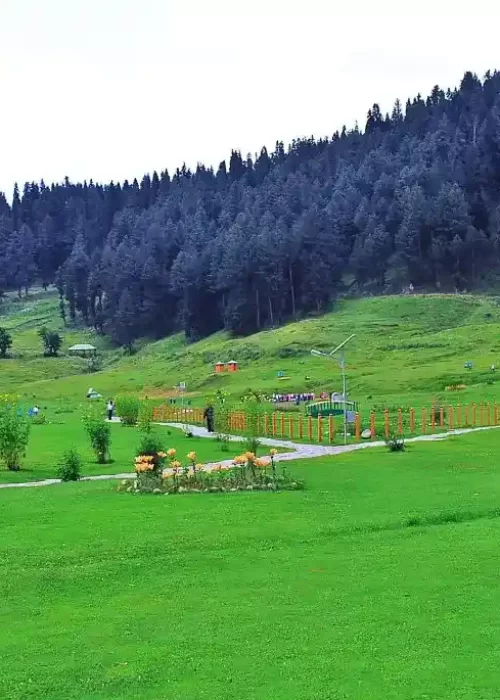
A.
x: 413, y: 198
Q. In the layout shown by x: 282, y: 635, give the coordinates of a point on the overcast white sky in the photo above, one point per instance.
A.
x: 111, y: 89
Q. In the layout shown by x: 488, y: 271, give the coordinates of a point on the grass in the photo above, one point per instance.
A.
x: 63, y: 431
x: 378, y: 582
x: 406, y: 351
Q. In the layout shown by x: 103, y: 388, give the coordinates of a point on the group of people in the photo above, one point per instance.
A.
x: 293, y: 398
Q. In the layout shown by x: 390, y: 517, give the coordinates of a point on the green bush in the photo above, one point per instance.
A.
x: 14, y: 433
x: 127, y: 407
x: 70, y: 467
x: 99, y: 434
x: 395, y: 443
x: 151, y: 443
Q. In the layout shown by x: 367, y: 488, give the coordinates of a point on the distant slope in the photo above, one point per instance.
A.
x: 407, y: 349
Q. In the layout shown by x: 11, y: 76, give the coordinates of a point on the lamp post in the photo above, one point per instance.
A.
x: 341, y: 361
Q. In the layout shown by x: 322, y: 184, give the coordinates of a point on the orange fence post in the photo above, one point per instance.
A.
x: 290, y: 426
x: 282, y: 425
x: 459, y: 416
x: 266, y: 424
x: 400, y: 421
x: 301, y: 428
x: 488, y: 413
x: 474, y: 414
x: 467, y: 417
x: 386, y: 424
x: 433, y: 418
x: 330, y: 428
x: 424, y: 420
x: 450, y: 417
x: 357, y: 427
x: 412, y: 420
x: 441, y: 417
x: 373, y: 430
x: 310, y: 428
x: 274, y: 424
x: 481, y: 413
x: 495, y: 414
x: 320, y: 429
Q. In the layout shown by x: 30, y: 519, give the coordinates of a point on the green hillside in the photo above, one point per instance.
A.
x: 407, y: 349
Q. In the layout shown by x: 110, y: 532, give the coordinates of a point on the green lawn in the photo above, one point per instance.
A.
x: 323, y: 594
x: 48, y: 442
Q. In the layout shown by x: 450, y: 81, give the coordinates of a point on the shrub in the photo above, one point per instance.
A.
x: 127, y: 407
x: 70, y: 466
x: 151, y: 444
x: 14, y: 433
x: 395, y: 443
x: 145, y: 417
x: 5, y: 342
x: 99, y: 434
x: 40, y: 419
x: 51, y: 340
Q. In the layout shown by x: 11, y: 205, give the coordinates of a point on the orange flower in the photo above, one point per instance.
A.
x: 250, y: 456
x: 192, y: 456
x: 217, y: 468
x: 171, y: 452
x: 176, y: 464
x: 261, y: 463
x: 162, y: 455
x: 241, y: 459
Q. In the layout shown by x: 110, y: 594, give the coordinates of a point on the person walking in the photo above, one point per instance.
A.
x: 110, y: 409
x: 208, y: 415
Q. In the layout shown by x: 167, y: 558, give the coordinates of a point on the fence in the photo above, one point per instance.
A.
x: 379, y: 424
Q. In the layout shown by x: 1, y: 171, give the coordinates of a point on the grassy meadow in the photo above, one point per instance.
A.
x: 406, y: 351
x: 379, y: 581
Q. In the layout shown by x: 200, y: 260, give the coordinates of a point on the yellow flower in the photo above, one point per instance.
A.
x: 241, y: 459
x: 199, y: 467
x: 192, y: 456
x: 176, y: 464
x: 162, y: 455
x: 171, y: 452
x: 273, y: 452
x: 250, y: 456
x: 261, y: 463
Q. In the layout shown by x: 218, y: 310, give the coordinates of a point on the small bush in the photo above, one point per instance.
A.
x: 99, y: 434
x: 40, y: 419
x: 151, y: 444
x: 252, y: 444
x: 395, y: 443
x: 70, y: 467
x: 127, y: 407
x: 14, y: 433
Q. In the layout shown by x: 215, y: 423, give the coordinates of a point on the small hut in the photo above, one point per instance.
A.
x: 219, y: 367
x: 232, y: 366
x: 83, y: 350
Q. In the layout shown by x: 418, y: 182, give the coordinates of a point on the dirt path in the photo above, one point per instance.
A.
x: 297, y: 451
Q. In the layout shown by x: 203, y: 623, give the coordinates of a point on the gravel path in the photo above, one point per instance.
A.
x: 297, y: 451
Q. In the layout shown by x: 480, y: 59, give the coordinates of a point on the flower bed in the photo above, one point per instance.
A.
x: 163, y: 473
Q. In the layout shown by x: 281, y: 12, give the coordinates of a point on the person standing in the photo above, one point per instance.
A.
x: 110, y: 409
x: 208, y: 415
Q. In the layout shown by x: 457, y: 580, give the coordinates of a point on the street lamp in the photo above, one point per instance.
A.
x: 341, y: 361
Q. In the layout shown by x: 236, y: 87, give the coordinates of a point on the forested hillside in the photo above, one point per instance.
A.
x: 413, y: 198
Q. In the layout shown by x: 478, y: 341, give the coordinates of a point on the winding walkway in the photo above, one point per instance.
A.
x: 297, y: 451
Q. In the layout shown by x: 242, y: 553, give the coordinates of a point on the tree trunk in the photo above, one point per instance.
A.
x: 292, y: 291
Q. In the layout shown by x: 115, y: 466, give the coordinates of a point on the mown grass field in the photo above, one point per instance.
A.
x: 379, y: 581
x: 406, y: 351
x: 64, y: 431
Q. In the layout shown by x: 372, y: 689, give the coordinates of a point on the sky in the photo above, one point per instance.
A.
x: 112, y: 89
